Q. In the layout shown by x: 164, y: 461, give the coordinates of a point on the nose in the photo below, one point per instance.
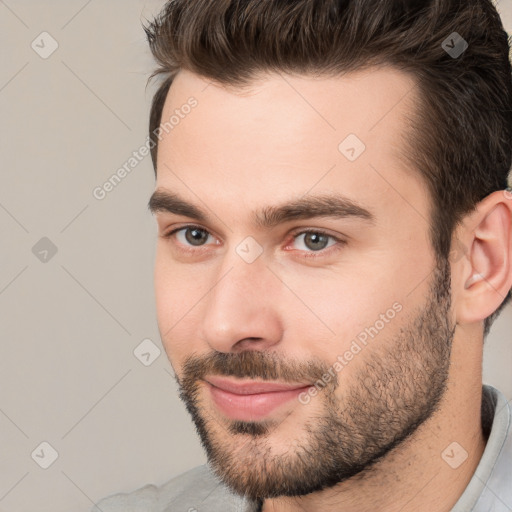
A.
x: 242, y: 309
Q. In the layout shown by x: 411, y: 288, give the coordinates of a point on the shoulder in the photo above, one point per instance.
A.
x: 188, y: 492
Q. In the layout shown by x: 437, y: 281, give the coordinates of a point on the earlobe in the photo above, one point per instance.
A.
x: 487, y: 270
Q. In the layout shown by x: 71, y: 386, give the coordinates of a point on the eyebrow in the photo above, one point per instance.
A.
x: 306, y: 207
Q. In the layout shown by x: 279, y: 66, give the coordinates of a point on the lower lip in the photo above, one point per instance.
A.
x: 251, y: 407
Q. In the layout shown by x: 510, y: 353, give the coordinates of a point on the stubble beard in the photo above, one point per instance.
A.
x: 392, y: 394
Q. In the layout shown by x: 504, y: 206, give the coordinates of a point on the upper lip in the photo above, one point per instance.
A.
x: 251, y: 387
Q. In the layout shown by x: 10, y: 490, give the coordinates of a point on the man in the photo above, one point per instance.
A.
x: 335, y: 240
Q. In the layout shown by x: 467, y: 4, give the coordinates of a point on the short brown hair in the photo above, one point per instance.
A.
x: 460, y: 140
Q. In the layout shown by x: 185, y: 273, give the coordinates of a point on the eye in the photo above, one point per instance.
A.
x: 190, y: 236
x: 315, y: 241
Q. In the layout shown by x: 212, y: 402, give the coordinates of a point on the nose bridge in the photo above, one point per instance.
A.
x: 243, y: 272
x: 241, y: 303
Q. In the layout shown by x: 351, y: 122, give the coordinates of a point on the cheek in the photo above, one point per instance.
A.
x: 350, y: 315
x: 340, y: 304
x: 176, y: 294
x: 177, y: 287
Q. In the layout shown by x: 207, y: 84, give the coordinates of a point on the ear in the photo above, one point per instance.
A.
x: 483, y: 277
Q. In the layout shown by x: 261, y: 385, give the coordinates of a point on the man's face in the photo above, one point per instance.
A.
x: 310, y: 270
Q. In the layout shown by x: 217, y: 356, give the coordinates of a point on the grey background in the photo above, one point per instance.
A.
x: 69, y: 325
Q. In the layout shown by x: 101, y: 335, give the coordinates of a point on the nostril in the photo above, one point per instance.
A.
x: 249, y: 344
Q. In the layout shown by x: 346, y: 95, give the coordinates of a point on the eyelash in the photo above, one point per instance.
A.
x: 307, y: 254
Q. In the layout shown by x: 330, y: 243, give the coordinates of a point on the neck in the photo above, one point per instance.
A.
x: 427, y: 471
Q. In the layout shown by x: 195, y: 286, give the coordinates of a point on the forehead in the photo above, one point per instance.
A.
x: 289, y: 134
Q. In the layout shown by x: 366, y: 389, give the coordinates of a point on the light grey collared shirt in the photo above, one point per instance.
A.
x: 199, y: 490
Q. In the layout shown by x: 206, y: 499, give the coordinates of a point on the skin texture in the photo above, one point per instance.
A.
x: 373, y: 438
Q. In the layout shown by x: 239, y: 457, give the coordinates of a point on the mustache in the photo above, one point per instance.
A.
x: 251, y: 364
